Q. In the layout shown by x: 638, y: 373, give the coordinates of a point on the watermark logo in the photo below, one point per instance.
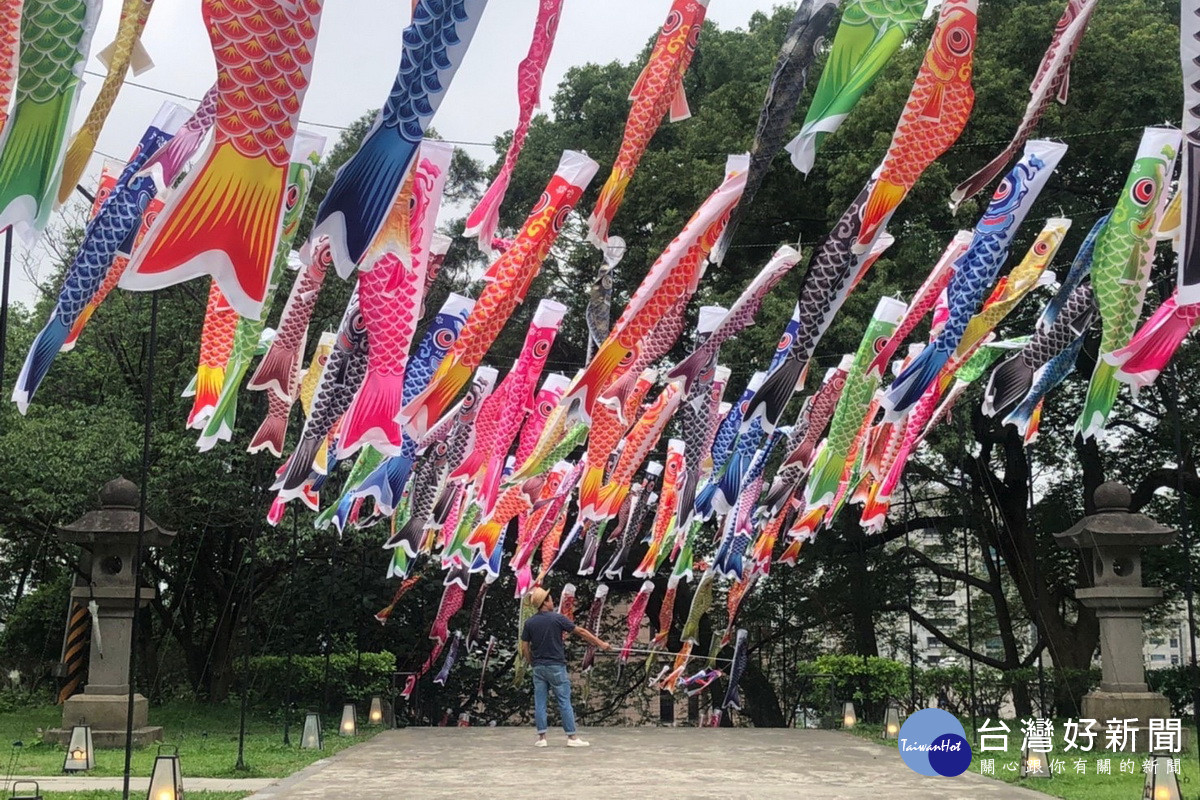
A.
x: 932, y: 742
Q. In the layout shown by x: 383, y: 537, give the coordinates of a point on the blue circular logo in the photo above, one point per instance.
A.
x: 932, y: 742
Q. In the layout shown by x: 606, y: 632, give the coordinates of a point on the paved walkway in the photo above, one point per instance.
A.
x: 638, y: 763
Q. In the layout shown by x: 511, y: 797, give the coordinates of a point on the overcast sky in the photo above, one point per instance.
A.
x: 356, y: 59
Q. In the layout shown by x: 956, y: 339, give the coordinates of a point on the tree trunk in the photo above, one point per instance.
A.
x: 762, y: 702
x: 862, y: 613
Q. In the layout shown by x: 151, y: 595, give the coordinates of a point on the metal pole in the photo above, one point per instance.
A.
x: 362, y: 596
x: 8, y: 236
x: 147, y: 430
x: 250, y: 555
x: 287, y: 689
x: 1185, y: 538
x: 328, y: 645
x: 970, y: 625
x: 912, y: 641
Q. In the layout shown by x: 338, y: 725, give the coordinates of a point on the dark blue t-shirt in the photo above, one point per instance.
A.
x: 544, y: 632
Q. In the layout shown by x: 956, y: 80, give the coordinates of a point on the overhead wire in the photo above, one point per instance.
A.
x: 575, y: 245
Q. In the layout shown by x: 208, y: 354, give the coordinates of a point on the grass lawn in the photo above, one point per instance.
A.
x: 1069, y: 783
x: 207, y: 737
x: 116, y: 795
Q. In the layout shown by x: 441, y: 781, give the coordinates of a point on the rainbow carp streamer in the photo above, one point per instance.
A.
x: 224, y: 220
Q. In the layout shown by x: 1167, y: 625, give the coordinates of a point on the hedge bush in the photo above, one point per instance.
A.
x: 1176, y: 683
x: 872, y: 683
x: 352, y: 678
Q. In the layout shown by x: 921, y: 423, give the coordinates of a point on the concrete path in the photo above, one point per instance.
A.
x: 636, y: 763
x: 83, y: 783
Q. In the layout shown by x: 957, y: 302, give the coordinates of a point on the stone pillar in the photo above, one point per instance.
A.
x: 109, y: 537
x: 1112, y: 539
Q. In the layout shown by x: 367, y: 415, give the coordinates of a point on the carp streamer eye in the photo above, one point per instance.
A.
x: 1143, y: 191
x: 959, y: 41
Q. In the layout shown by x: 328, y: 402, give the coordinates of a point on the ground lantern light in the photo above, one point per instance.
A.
x: 891, y: 723
x: 166, y: 781
x: 349, y: 726
x: 21, y: 791
x: 81, y: 755
x: 312, y: 738
x: 849, y: 717
x: 1034, y: 765
x: 375, y: 715
x: 1161, y: 783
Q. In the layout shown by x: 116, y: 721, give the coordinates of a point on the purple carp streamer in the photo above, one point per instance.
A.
x: 1049, y: 84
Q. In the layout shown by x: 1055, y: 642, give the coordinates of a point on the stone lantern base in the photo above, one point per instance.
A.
x: 106, y: 714
x: 1142, y: 706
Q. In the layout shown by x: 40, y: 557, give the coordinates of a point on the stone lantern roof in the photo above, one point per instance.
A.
x: 116, y: 521
x: 1114, y: 525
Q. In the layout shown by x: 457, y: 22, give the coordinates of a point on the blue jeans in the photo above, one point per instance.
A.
x: 545, y: 678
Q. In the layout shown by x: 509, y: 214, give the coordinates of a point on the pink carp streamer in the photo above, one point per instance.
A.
x: 633, y: 622
x: 482, y: 222
x: 675, y: 275
x: 1141, y: 361
x: 508, y: 281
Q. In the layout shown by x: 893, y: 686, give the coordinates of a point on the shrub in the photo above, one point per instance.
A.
x: 871, y: 683
x: 352, y: 678
x: 1176, y: 683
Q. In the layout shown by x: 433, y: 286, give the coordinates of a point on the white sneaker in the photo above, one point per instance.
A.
x: 541, y: 743
x: 575, y: 742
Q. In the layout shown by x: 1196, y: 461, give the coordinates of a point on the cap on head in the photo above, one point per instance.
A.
x: 538, y: 596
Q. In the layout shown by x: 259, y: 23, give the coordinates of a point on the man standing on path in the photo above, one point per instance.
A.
x: 542, y: 646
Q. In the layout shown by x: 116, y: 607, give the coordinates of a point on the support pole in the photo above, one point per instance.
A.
x: 147, y: 430
x: 970, y: 625
x: 287, y: 689
x: 1185, y: 539
x: 912, y: 640
x: 7, y: 280
x: 250, y: 557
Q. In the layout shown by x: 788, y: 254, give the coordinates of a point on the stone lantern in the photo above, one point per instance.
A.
x: 1113, y: 539
x: 109, y: 538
